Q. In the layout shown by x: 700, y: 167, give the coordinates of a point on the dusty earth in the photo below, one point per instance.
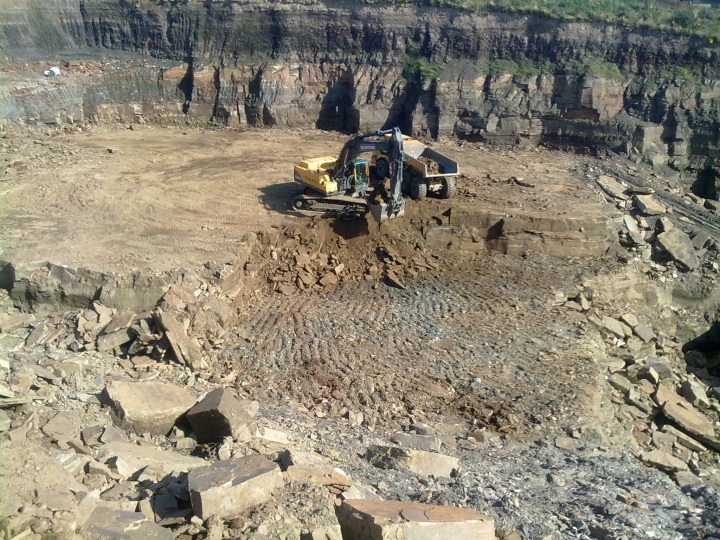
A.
x: 166, y: 198
x: 483, y: 349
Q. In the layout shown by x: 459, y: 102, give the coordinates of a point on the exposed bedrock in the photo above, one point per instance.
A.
x: 341, y: 67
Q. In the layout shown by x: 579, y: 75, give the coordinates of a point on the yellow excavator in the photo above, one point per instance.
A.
x: 344, y: 187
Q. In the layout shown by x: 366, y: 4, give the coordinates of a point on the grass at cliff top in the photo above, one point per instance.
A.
x: 675, y: 18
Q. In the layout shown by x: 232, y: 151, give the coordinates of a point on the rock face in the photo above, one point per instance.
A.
x: 362, y: 519
x: 227, y: 488
x: 258, y: 65
x: 56, y: 285
x: 147, y: 407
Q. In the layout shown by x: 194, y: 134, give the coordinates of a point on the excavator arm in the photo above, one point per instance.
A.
x: 391, y: 204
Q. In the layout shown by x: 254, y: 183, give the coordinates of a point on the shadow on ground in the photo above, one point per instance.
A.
x: 278, y: 197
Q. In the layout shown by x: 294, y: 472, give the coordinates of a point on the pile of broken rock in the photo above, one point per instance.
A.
x: 141, y: 337
x: 126, y: 471
x: 648, y: 229
x: 669, y: 394
x: 301, y: 258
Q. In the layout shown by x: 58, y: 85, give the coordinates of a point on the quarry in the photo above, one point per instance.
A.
x: 184, y: 354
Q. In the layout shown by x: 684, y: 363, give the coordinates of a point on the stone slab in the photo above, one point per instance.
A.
x: 664, y: 395
x: 614, y: 326
x: 612, y: 187
x: 365, y: 519
x: 685, y: 439
x: 186, y: 349
x: 179, y: 296
x: 12, y: 322
x: 679, y: 247
x: 105, y: 523
x: 417, y: 461
x: 317, y: 475
x: 113, y: 340
x: 227, y: 488
x: 220, y: 414
x: 665, y: 461
x: 134, y: 458
x: 420, y: 442
x: 147, y: 407
x: 644, y: 332
x: 648, y: 205
x: 688, y: 418
x: 121, y: 322
x: 63, y: 426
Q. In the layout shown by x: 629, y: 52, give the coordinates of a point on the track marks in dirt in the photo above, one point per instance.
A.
x: 452, y: 346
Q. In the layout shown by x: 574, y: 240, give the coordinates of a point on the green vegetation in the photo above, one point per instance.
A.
x: 419, y: 70
x: 524, y: 69
x: 501, y: 67
x: 679, y: 75
x: 682, y: 75
x: 593, y: 68
x: 603, y: 70
x: 663, y: 15
x: 527, y: 69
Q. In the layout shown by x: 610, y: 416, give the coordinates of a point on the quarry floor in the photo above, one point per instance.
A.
x: 478, y: 336
x: 165, y: 198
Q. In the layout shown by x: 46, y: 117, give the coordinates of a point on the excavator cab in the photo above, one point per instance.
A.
x: 362, y: 174
x: 355, y: 175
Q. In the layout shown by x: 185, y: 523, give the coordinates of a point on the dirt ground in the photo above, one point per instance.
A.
x: 167, y: 198
x: 490, y: 352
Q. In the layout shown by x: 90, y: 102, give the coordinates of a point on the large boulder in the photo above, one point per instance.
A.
x: 679, y: 248
x: 227, y: 488
x: 220, y: 414
x: 147, y: 407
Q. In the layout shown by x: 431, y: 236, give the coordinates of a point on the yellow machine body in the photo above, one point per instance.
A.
x: 314, y: 173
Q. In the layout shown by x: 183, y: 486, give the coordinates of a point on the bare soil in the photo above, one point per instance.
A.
x: 481, y: 348
x: 167, y: 198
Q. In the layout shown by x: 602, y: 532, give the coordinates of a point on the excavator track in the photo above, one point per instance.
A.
x: 334, y: 205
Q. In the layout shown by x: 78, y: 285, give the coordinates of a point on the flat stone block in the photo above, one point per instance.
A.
x: 147, y: 407
x: 220, y: 414
x: 364, y: 519
x: 106, y: 523
x: 417, y: 461
x: 228, y: 488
